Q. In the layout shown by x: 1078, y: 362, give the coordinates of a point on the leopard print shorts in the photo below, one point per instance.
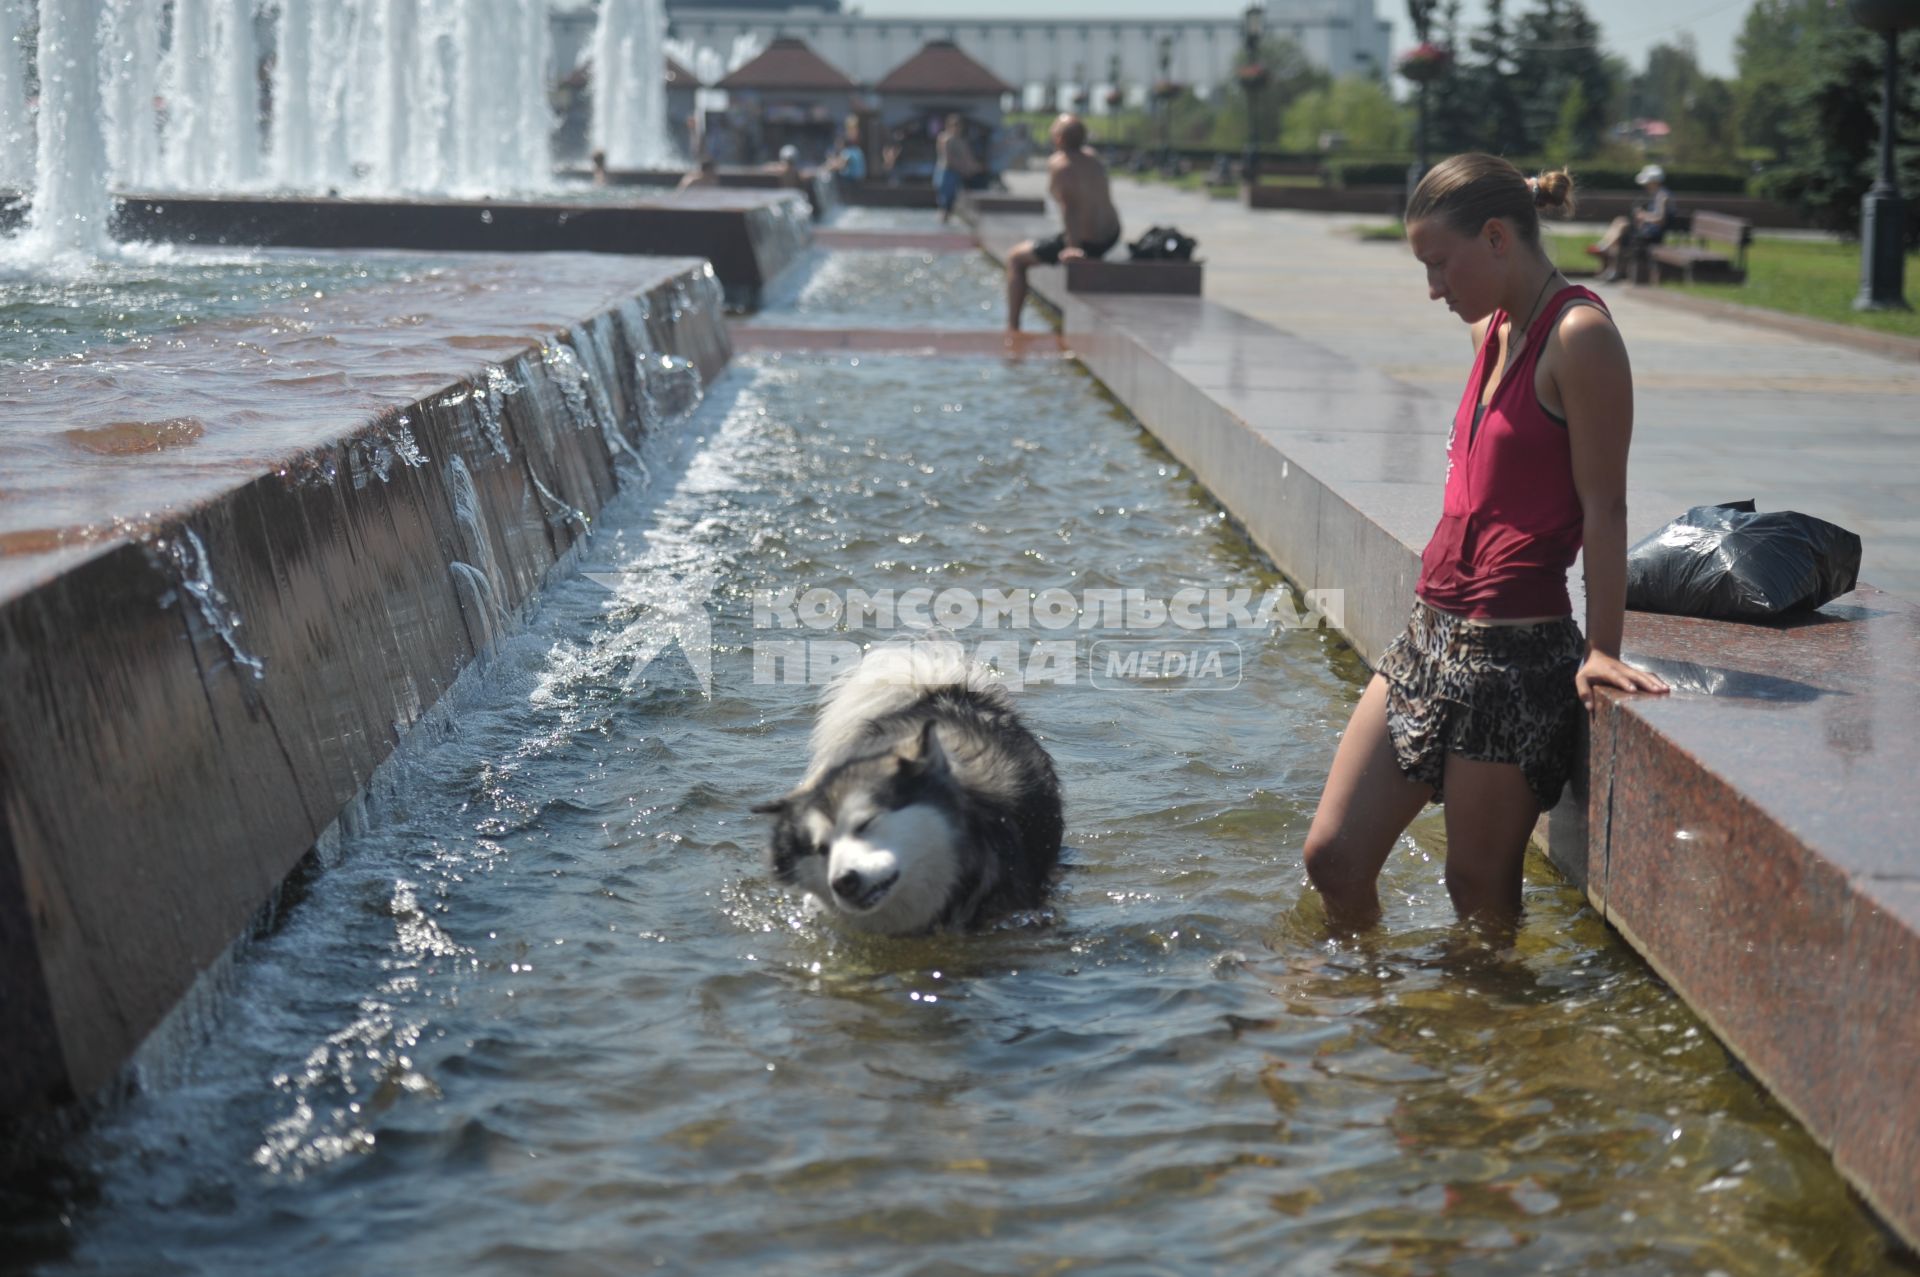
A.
x: 1489, y: 693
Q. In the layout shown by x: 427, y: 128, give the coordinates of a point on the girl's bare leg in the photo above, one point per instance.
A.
x: 1491, y: 812
x: 1365, y: 806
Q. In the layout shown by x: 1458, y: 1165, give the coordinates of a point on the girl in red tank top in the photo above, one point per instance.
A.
x: 1479, y: 702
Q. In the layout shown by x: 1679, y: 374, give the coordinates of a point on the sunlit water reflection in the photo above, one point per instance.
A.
x: 544, y: 1011
x: 51, y: 312
x: 891, y: 290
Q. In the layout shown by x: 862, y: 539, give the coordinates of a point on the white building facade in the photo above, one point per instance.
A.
x: 1343, y: 36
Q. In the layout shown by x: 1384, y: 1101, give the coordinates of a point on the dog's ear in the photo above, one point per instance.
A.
x: 772, y: 806
x: 924, y: 756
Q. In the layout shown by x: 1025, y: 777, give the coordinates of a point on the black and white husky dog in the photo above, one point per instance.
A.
x: 928, y: 805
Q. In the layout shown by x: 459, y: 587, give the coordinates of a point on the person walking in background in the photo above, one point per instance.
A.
x: 1090, y: 225
x: 1627, y: 237
x: 954, y: 164
x: 1477, y: 704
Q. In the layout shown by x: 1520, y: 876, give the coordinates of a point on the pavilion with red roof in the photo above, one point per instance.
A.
x: 789, y: 95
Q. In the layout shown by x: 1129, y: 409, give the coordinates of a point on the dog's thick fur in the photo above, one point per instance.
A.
x: 927, y: 806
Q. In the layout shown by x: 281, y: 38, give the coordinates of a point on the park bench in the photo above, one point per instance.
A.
x: 1695, y: 263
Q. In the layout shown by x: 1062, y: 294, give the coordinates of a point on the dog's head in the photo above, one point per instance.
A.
x: 877, y: 839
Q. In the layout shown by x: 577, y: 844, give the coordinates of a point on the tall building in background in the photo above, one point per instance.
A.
x: 1041, y: 55
x: 817, y: 6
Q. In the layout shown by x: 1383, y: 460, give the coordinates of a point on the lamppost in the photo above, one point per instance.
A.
x: 1253, y: 78
x: 1423, y: 63
x: 1883, y: 217
x: 1164, y: 92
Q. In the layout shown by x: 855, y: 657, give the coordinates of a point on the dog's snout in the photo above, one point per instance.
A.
x: 849, y: 884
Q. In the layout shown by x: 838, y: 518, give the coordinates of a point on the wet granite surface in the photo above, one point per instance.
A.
x: 207, y: 649
x: 1753, y: 833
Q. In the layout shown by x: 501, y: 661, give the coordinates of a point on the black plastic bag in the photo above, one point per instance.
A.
x: 1162, y: 244
x: 1730, y: 563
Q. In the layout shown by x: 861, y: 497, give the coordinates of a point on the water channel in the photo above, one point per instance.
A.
x: 542, y: 1010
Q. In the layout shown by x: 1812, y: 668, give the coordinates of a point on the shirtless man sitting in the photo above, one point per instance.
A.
x: 1077, y: 180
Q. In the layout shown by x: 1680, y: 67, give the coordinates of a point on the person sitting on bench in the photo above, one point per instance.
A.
x: 1629, y: 237
x: 1090, y: 225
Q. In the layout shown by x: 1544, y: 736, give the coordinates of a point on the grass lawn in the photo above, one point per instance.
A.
x: 1816, y: 278
x: 1569, y: 252
x: 1194, y: 181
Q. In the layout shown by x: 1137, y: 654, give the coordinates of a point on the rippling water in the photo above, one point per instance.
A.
x: 49, y: 314
x: 544, y: 1012
x: 897, y: 289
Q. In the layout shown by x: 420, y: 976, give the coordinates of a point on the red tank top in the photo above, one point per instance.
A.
x: 1511, y: 521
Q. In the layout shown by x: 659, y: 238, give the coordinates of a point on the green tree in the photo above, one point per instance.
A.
x: 1454, y: 109
x: 1491, y: 77
x: 1357, y: 107
x: 1705, y: 132
x: 1557, y: 51
x: 1661, y: 90
x: 1832, y: 127
x: 1563, y: 145
x: 1290, y: 74
x: 1773, y: 59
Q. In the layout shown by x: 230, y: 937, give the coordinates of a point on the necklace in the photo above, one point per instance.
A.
x: 1535, y: 308
x: 1515, y: 337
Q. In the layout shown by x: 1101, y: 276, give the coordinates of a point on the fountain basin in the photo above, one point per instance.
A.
x: 749, y: 236
x: 307, y: 523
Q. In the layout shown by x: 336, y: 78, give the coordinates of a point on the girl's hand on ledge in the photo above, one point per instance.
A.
x: 1601, y: 670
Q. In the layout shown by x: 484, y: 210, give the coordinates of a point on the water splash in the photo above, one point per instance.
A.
x: 477, y: 576
x: 186, y: 555
x: 365, y: 1067
x: 559, y: 512
x: 490, y: 397
x: 672, y: 388
x: 372, y: 455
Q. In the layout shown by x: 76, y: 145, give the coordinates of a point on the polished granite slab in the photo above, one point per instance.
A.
x: 240, y: 561
x: 1752, y: 834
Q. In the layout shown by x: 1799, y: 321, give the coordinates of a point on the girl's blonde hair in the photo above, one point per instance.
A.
x: 1465, y: 191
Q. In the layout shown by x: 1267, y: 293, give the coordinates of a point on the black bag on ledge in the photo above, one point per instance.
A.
x: 1729, y: 563
x: 1162, y: 244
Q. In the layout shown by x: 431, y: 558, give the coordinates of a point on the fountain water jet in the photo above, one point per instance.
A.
x: 629, y: 90
x: 186, y: 79
x: 70, y: 198
x: 294, y: 82
x: 132, y: 40
x: 16, y: 124
x: 235, y: 103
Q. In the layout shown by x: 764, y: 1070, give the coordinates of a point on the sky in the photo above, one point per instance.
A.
x: 1629, y: 27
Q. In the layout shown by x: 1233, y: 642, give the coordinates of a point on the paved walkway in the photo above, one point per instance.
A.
x: 1725, y: 409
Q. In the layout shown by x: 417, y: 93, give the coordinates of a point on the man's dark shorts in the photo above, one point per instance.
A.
x: 1049, y: 250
